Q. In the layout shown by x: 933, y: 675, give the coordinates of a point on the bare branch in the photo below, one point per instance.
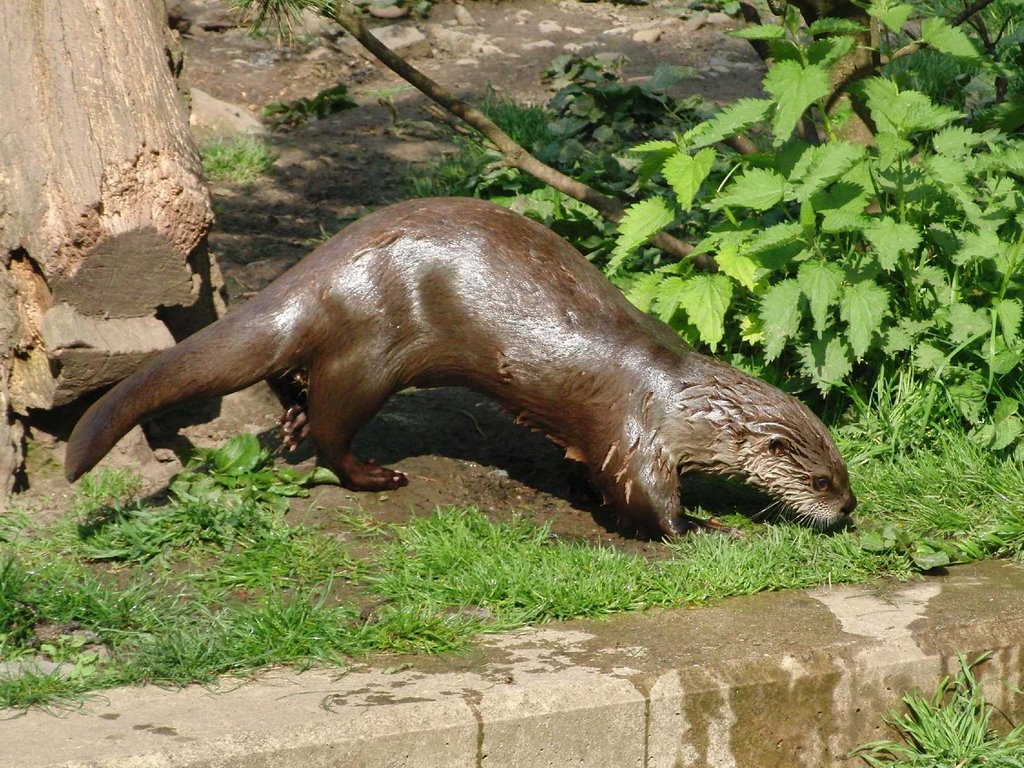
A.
x: 515, y: 154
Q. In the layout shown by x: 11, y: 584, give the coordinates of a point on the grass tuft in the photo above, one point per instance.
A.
x: 240, y: 158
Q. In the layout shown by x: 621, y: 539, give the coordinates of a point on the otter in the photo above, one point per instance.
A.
x: 457, y: 291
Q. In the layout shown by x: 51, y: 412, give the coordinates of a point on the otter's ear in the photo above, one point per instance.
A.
x: 779, y: 446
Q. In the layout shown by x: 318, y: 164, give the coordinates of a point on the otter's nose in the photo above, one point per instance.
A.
x: 849, y: 505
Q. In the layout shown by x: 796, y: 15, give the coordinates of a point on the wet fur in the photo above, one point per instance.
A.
x: 462, y: 292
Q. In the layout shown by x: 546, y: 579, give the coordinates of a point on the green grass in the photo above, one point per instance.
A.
x: 240, y: 158
x: 952, y: 727
x: 215, y: 582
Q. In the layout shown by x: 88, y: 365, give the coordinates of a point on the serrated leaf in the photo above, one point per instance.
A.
x: 903, y: 335
x: 893, y: 15
x: 756, y: 188
x: 977, y: 246
x: 966, y: 322
x: 705, y: 299
x: 844, y: 221
x: 734, y: 119
x: 641, y: 221
x: 826, y: 362
x: 834, y: 26
x: 668, y: 297
x: 820, y: 165
x: 780, y: 316
x: 795, y: 87
x: 685, y: 174
x: 970, y: 397
x: 891, y: 239
x: 940, y: 35
x: 738, y: 266
x: 928, y: 358
x: 820, y: 282
x: 1009, y: 313
x: 891, y: 148
x: 903, y: 112
x: 643, y: 289
x: 1007, y: 423
x: 829, y: 50
x: 863, y: 307
x: 957, y: 141
x: 653, y: 155
x: 774, y: 237
x: 759, y: 32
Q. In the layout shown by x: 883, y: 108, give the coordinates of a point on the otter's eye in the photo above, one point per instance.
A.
x: 821, y: 483
x: 778, y: 446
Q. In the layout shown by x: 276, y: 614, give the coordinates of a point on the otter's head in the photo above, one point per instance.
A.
x: 749, y: 430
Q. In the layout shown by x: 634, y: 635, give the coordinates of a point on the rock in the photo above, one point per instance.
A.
x: 404, y: 39
x: 451, y: 40
x: 647, y: 36
x: 549, y: 27
x: 382, y: 11
x: 222, y: 117
x: 315, y: 24
x: 464, y: 17
x: 537, y: 44
x: 695, y: 22
x: 718, y: 18
x: 91, y: 352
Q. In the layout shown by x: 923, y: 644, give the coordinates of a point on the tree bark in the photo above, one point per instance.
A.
x: 103, y: 209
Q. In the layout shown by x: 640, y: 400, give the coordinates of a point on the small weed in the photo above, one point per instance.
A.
x: 951, y: 727
x: 241, y: 158
x: 286, y: 115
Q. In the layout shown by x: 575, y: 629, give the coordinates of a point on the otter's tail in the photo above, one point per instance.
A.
x: 228, y: 355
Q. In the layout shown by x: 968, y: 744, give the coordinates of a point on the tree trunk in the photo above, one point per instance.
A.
x: 103, y: 210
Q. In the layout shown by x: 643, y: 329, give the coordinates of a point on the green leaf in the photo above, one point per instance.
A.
x: 240, y: 454
x: 820, y: 282
x: 734, y: 119
x: 829, y: 50
x: 820, y: 165
x: 1007, y: 424
x: 706, y: 298
x: 970, y: 396
x: 780, y: 315
x: 668, y: 297
x: 834, y: 26
x: 891, y: 148
x: 940, y: 35
x: 740, y: 267
x: 894, y: 15
x: 760, y: 32
x: 977, y: 247
x: 966, y: 322
x: 643, y: 290
x: 928, y: 358
x: 957, y: 141
x: 642, y: 220
x: 863, y: 307
x: 774, y: 237
x: 795, y: 87
x: 686, y: 173
x: 757, y: 188
x: 826, y: 361
x: 1009, y: 313
x: 902, y: 336
x: 891, y: 239
x: 903, y: 112
x: 653, y: 155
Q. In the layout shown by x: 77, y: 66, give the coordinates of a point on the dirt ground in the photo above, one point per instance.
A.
x: 456, y: 447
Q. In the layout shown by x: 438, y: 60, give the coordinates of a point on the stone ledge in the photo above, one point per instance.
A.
x: 781, y: 679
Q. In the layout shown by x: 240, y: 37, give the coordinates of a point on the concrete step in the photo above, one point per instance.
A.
x: 782, y: 679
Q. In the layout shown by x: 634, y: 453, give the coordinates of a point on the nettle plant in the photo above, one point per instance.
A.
x: 838, y: 261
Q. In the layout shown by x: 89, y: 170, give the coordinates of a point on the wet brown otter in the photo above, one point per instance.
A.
x: 462, y: 292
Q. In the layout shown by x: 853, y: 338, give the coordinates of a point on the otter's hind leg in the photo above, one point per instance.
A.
x: 341, y: 400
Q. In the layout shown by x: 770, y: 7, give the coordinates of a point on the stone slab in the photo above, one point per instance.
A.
x: 781, y: 679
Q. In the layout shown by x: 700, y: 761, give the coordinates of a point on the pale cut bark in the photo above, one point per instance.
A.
x: 103, y: 209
